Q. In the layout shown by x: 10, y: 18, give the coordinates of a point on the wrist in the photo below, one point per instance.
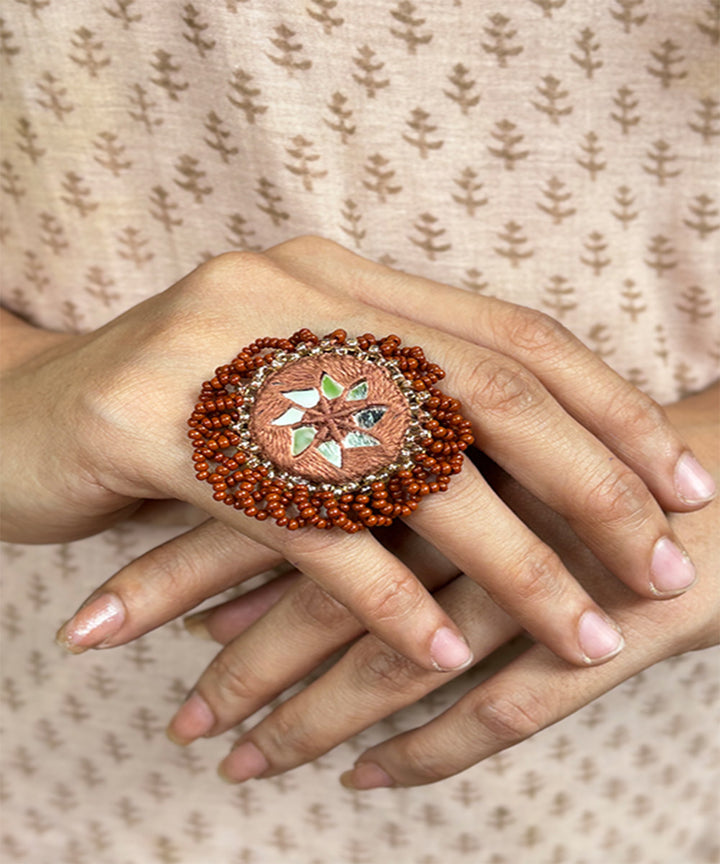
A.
x: 48, y: 493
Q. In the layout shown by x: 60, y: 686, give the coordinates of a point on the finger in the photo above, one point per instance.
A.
x: 377, y: 588
x: 629, y: 422
x: 520, y: 425
x: 491, y: 545
x: 530, y: 694
x: 537, y: 690
x: 304, y: 627
x: 226, y: 621
x: 369, y: 682
x: 163, y: 583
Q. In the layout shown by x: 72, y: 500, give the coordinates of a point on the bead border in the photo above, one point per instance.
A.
x: 432, y: 451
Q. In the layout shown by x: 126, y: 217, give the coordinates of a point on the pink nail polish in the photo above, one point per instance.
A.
x: 449, y: 652
x: 599, y: 639
x: 243, y: 763
x: 671, y: 570
x: 93, y: 624
x: 366, y: 775
x: 194, y: 719
x: 692, y: 482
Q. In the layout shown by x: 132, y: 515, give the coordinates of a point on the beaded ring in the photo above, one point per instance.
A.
x: 331, y: 432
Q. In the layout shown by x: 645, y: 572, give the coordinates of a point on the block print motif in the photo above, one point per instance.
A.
x: 146, y: 137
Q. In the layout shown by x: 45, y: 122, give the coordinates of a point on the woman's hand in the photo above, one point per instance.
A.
x: 372, y: 681
x: 95, y: 424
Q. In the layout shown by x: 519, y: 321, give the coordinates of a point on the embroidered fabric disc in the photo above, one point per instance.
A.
x: 329, y: 418
x: 327, y: 432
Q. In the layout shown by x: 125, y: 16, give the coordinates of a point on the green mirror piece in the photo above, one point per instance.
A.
x: 360, y: 439
x: 292, y: 415
x: 358, y: 391
x: 302, y: 438
x: 306, y: 398
x: 332, y: 451
x: 368, y: 417
x: 330, y: 388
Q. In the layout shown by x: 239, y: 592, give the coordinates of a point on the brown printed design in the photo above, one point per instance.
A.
x: 561, y: 155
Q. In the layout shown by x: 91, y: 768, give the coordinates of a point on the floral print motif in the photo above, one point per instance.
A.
x: 330, y: 420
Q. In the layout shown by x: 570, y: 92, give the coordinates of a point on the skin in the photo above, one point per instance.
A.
x: 573, y: 434
x: 370, y: 681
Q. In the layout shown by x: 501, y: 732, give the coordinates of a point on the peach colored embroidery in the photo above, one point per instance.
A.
x: 336, y: 425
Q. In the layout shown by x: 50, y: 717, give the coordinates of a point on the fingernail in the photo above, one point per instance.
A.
x: 449, y: 652
x: 366, y: 775
x: 195, y: 625
x: 671, y: 570
x: 692, y: 482
x: 599, y: 638
x: 243, y: 763
x: 93, y: 624
x: 194, y: 719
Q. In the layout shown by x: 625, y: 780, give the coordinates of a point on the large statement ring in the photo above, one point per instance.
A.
x: 327, y: 432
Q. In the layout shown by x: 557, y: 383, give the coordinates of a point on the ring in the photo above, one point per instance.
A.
x: 328, y: 432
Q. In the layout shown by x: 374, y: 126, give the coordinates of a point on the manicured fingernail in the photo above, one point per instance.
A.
x: 692, y: 482
x: 195, y: 625
x: 194, y: 719
x: 93, y: 624
x: 599, y: 638
x: 366, y: 775
x: 671, y: 570
x: 449, y: 652
x: 243, y: 763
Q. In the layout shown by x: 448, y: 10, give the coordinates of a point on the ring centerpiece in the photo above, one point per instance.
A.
x: 324, y: 432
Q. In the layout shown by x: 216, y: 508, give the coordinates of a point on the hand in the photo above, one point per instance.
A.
x: 371, y: 681
x: 569, y: 430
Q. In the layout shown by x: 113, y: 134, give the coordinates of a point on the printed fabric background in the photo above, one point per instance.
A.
x: 558, y: 153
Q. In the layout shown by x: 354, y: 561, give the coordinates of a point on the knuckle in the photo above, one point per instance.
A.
x: 394, y: 596
x: 166, y: 574
x: 312, y: 605
x: 425, y: 764
x: 637, y: 415
x: 383, y: 669
x: 536, y: 333
x: 174, y: 571
x: 252, y: 273
x: 303, y: 246
x: 501, y: 386
x: 286, y: 731
x: 231, y: 680
x: 509, y: 717
x: 538, y: 579
x: 229, y: 265
x: 619, y: 498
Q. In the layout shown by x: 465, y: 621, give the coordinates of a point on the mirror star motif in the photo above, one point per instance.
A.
x: 330, y: 418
